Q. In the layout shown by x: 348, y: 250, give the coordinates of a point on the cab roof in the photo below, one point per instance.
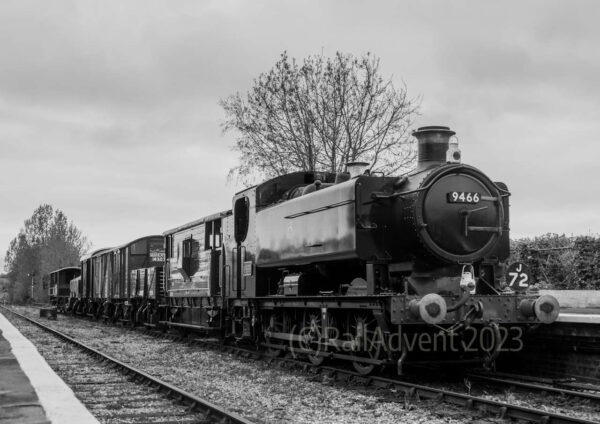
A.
x: 122, y: 246
x: 198, y: 222
x: 65, y: 269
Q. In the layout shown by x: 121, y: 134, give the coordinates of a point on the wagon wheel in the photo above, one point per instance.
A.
x: 108, y: 311
x: 275, y: 326
x: 98, y: 308
x: 117, y: 314
x: 75, y: 308
x: 367, y: 343
x: 128, y: 316
x: 149, y: 316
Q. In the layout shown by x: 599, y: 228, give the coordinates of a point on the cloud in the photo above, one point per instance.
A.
x: 109, y: 110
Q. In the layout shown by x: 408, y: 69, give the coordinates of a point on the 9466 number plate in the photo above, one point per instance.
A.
x: 463, y: 197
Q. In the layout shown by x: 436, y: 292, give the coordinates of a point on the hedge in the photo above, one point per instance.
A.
x: 560, y: 262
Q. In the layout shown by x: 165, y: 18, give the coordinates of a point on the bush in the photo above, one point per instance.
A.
x: 560, y: 262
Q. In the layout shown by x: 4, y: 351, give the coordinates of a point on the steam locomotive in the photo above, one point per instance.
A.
x: 328, y: 265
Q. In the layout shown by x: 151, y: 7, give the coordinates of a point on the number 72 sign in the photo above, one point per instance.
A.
x: 517, y: 276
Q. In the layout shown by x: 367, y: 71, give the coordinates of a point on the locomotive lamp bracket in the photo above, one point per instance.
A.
x: 467, y: 279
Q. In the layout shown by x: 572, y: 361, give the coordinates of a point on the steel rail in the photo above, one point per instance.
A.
x: 534, y: 386
x: 216, y: 412
x: 568, y: 382
x: 502, y: 409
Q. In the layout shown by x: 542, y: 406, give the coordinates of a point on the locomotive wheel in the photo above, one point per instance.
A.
x: 311, y: 332
x: 368, y: 343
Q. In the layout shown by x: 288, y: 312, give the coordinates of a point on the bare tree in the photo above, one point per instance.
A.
x: 47, y: 241
x: 320, y: 115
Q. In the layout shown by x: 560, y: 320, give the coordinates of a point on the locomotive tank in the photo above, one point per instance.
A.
x: 316, y: 225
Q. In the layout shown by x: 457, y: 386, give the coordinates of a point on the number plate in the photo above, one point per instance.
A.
x: 463, y: 197
x: 517, y: 277
x: 247, y: 269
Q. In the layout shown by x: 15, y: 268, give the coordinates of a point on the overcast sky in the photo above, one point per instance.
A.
x: 109, y: 110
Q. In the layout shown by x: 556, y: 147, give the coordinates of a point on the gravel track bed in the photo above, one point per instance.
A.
x: 264, y: 394
x: 105, y: 391
x: 559, y: 404
x: 252, y: 388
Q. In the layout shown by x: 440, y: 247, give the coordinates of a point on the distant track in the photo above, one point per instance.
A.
x: 126, y: 382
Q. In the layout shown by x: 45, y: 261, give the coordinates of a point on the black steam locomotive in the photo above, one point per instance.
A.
x: 347, y: 266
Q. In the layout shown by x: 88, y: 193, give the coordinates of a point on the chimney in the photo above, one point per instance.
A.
x: 433, y: 145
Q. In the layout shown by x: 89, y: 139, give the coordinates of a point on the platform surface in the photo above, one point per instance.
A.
x: 30, y: 391
x: 577, y: 306
x: 577, y: 299
x: 580, y: 315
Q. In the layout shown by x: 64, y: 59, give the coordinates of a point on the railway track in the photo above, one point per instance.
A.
x: 411, y: 391
x: 116, y: 392
x: 407, y: 391
x: 558, y: 387
x: 553, y: 386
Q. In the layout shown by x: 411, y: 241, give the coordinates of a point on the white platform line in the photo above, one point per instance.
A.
x: 581, y: 318
x: 57, y: 399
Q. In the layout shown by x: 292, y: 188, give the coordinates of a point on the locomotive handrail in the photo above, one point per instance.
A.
x: 483, y: 229
x: 321, y: 209
x: 227, y: 269
x: 241, y: 270
x: 379, y: 195
x: 237, y: 268
x: 234, y: 270
x: 467, y: 212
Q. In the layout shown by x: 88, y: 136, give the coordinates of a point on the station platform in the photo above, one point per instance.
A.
x: 577, y: 306
x: 580, y: 315
x: 30, y: 391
